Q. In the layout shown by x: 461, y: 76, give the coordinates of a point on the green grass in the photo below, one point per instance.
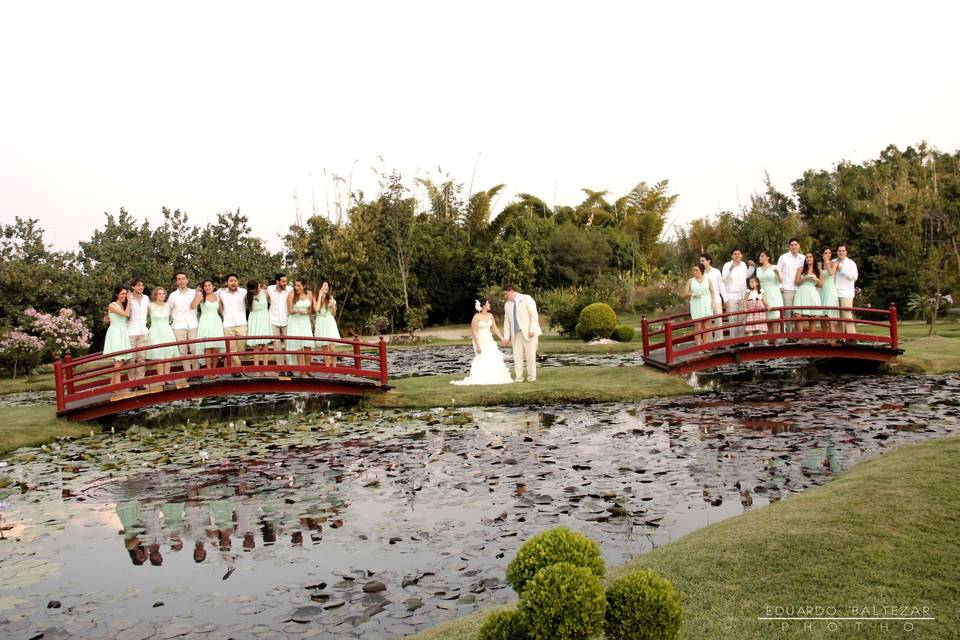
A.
x: 34, y: 425
x: 885, y: 533
x: 39, y: 382
x: 932, y: 355
x: 553, y: 385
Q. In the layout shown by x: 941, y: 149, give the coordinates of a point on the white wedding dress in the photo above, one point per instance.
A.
x: 487, y: 366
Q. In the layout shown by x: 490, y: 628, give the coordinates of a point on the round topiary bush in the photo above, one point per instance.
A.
x: 504, y: 625
x: 623, y: 333
x: 597, y: 320
x: 563, y: 602
x: 550, y: 547
x: 642, y: 606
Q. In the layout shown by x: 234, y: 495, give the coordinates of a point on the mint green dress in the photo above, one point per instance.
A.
x: 771, y: 291
x: 829, y: 296
x: 298, y: 324
x: 161, y: 333
x: 117, y: 338
x: 258, y: 321
x: 808, y: 295
x: 326, y: 326
x: 700, y: 302
x: 211, y: 326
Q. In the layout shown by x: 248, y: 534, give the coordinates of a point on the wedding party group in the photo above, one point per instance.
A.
x: 769, y: 293
x: 274, y: 315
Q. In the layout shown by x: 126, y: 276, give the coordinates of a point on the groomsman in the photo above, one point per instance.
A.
x: 234, y: 314
x: 184, y: 316
x: 734, y: 275
x: 521, y: 327
x: 719, y: 292
x: 847, y: 275
x: 788, y: 264
x: 278, y: 293
x: 137, y: 326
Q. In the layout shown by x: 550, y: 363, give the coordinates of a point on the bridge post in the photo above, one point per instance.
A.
x: 668, y: 340
x: 383, y: 361
x: 58, y: 381
x: 67, y: 371
x: 356, y: 354
x: 894, y: 332
x: 645, y: 333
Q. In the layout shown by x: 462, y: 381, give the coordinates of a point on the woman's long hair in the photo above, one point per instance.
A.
x: 252, y: 287
x: 116, y: 292
x: 814, y: 267
x: 325, y: 297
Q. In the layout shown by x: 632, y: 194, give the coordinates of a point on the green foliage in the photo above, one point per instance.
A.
x: 415, y: 318
x: 623, y: 333
x: 563, y: 602
x: 659, y: 297
x: 561, y: 305
x: 550, y: 547
x: 597, y: 320
x: 504, y: 625
x: 642, y: 606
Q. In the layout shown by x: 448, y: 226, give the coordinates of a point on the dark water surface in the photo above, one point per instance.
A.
x: 378, y: 524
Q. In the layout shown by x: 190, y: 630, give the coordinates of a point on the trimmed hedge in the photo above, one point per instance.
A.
x: 623, y: 333
x: 550, y: 547
x: 597, y: 320
x: 504, y: 625
x: 563, y: 602
x: 642, y: 606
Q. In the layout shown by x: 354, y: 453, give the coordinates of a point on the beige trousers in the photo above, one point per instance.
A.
x: 185, y: 349
x: 236, y: 345
x: 847, y: 327
x: 732, y: 305
x: 787, y: 302
x: 524, y: 351
x: 138, y: 357
x: 280, y: 345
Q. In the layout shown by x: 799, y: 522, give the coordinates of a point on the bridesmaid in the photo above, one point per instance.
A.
x: 161, y: 332
x: 258, y: 321
x: 828, y: 292
x: 211, y: 324
x: 809, y: 282
x: 769, y: 276
x: 700, y: 292
x: 326, y: 327
x: 299, y: 306
x: 117, y: 338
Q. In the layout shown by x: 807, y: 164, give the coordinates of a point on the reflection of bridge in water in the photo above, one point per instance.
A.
x: 671, y: 343
x: 86, y: 391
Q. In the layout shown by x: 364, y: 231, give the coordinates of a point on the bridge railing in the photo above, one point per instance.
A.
x: 92, y: 375
x: 677, y: 336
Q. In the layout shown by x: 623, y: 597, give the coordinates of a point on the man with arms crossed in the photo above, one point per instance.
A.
x: 847, y: 275
x: 184, y: 318
x: 137, y: 327
x: 788, y: 265
x: 234, y: 315
x: 734, y: 276
x: 521, y: 327
x: 278, y: 294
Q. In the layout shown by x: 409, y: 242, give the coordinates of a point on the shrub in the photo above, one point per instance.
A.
x: 660, y: 297
x: 415, y: 318
x: 19, y: 350
x: 504, y: 625
x: 623, y: 333
x: 563, y: 602
x: 642, y: 606
x: 550, y: 547
x: 63, y: 333
x: 597, y: 320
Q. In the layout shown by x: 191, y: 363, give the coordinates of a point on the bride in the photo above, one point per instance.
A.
x: 487, y: 366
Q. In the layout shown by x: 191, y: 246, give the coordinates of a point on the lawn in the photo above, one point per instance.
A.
x: 33, y: 425
x: 38, y: 382
x: 553, y: 385
x: 884, y: 533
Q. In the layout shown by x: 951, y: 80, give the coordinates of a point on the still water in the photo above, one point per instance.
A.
x: 332, y: 523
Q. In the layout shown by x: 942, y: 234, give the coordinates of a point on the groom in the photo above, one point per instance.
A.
x: 521, y: 327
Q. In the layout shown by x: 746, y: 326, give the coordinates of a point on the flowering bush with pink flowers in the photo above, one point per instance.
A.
x: 19, y: 349
x: 63, y: 333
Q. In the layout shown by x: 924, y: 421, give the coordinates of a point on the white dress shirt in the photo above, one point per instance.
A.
x: 234, y: 307
x: 278, y: 305
x: 183, y: 316
x: 788, y: 265
x: 735, y: 279
x: 137, y: 322
x: 719, y: 292
x: 847, y: 275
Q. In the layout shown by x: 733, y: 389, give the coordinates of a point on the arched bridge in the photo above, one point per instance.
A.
x: 96, y: 385
x: 677, y: 344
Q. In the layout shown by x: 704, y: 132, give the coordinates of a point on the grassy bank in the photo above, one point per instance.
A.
x: 553, y: 385
x: 33, y: 425
x: 932, y: 355
x: 23, y: 384
x: 885, y: 533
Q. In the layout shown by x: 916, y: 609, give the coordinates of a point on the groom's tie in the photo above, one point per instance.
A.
x: 516, y: 319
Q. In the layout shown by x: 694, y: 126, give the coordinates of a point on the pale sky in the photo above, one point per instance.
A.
x: 210, y: 107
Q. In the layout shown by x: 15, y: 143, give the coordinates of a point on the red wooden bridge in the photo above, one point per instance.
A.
x: 680, y: 345
x: 87, y: 387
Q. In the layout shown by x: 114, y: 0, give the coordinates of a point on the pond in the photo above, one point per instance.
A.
x: 370, y: 524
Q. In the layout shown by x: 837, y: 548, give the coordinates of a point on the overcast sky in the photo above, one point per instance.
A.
x: 209, y: 107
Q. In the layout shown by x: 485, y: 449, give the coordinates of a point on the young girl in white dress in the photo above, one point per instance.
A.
x: 487, y: 366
